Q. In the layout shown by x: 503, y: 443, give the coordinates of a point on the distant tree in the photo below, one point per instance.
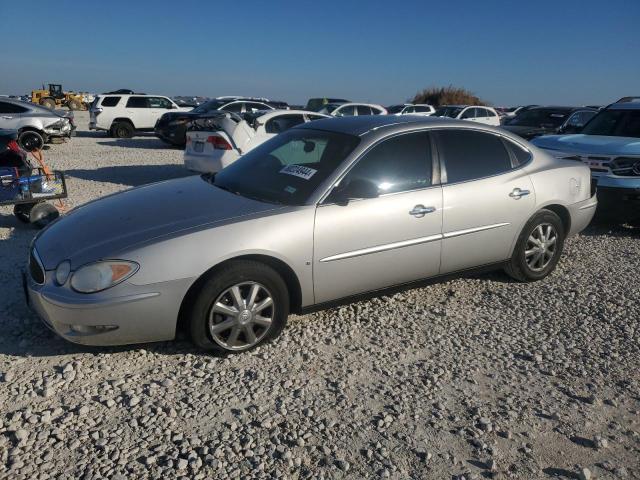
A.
x: 447, y: 96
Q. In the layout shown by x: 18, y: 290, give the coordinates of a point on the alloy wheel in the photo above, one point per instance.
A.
x: 541, y: 247
x: 241, y: 316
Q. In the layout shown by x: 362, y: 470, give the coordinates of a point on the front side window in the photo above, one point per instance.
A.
x: 422, y: 109
x: 470, y: 113
x: 235, y: 107
x: 137, y: 102
x: 160, y: 102
x: 283, y: 122
x: 288, y: 168
x: 615, y: 123
x: 579, y: 119
x: 399, y: 164
x: 347, y: 111
x: 110, y: 101
x: 256, y: 107
x: 469, y: 155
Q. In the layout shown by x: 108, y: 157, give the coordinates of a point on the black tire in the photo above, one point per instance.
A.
x: 42, y: 214
x: 519, y: 268
x: 48, y: 103
x: 22, y: 211
x: 30, y: 140
x: 122, y: 130
x: 220, y: 281
x: 74, y: 105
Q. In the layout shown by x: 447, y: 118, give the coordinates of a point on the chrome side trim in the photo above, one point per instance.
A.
x: 382, y: 248
x: 467, y: 231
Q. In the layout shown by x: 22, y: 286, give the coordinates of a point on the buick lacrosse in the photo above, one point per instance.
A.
x: 326, y: 212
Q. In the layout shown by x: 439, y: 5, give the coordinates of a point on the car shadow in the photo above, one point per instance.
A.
x: 91, y: 134
x: 610, y: 229
x: 132, y: 175
x: 148, y: 143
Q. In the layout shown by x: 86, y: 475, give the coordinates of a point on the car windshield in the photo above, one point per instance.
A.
x: 395, y: 108
x: 209, y: 106
x: 288, y: 168
x: 614, y: 123
x: 540, y: 117
x: 451, y: 112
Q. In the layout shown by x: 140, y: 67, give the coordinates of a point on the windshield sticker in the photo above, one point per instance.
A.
x: 299, y: 171
x: 290, y: 189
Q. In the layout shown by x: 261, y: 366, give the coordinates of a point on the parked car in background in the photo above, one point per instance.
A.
x: 479, y: 114
x: 36, y: 125
x: 122, y: 115
x: 352, y: 109
x: 610, y: 145
x: 411, y: 109
x: 507, y: 113
x: 172, y: 126
x: 316, y: 104
x: 219, y: 139
x: 538, y: 121
x: 323, y: 212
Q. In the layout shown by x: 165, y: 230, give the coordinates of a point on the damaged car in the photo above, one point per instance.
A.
x: 218, y: 140
x: 35, y: 125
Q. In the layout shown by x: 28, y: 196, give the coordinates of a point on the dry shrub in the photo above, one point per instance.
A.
x: 447, y: 96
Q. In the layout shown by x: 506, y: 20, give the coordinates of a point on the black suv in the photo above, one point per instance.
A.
x: 172, y: 126
x: 538, y: 121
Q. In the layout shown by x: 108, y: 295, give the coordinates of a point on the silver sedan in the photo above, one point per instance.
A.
x: 323, y: 213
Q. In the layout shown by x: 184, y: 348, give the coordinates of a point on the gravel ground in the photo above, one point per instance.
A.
x: 478, y: 377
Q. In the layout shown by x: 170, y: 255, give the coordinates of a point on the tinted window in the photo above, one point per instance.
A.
x: 469, y: 113
x: 490, y: 113
x: 159, y: 102
x: 468, y: 155
x: 289, y: 167
x: 233, y: 107
x: 541, y: 117
x: 209, y: 106
x: 282, y: 123
x: 451, y: 112
x: 617, y: 123
x: 11, y: 108
x: 521, y: 155
x: 578, y: 119
x: 347, y: 111
x: 399, y: 164
x: 395, y: 108
x: 481, y: 112
x: 312, y: 117
x: 254, y: 107
x: 422, y: 109
x: 408, y: 110
x: 110, y: 101
x: 364, y: 110
x: 137, y: 102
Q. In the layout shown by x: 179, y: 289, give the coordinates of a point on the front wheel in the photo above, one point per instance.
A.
x: 538, y: 248
x: 240, y: 306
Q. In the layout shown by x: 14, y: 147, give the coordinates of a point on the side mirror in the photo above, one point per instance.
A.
x: 356, y: 189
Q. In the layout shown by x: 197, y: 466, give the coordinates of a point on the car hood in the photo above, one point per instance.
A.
x: 113, y: 224
x: 590, y: 144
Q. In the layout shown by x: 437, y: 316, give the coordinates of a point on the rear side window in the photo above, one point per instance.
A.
x: 159, y: 102
x: 11, y: 108
x: 233, y: 107
x: 365, y: 110
x: 469, y: 113
x: 254, y: 107
x: 400, y: 164
x: 422, y: 109
x: 520, y: 154
x: 110, y: 101
x: 282, y: 123
x: 137, y: 102
x: 469, y: 155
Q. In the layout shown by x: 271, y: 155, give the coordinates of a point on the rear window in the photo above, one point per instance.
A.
x: 110, y: 101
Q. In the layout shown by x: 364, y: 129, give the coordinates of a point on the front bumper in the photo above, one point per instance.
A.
x: 122, y: 315
x: 619, y: 198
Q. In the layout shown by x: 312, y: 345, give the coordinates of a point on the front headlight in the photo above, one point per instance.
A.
x: 102, y: 275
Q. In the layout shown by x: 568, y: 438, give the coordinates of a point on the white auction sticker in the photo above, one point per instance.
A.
x: 298, y: 171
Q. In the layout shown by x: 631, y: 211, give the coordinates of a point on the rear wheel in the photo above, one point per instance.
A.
x: 42, y: 214
x: 538, y: 249
x: 22, y: 211
x: 74, y: 105
x: 242, y: 305
x: 122, y: 130
x: 48, y: 102
x: 30, y: 140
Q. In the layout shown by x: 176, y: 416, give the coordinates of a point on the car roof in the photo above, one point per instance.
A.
x: 266, y: 114
x: 624, y: 106
x: 360, y: 125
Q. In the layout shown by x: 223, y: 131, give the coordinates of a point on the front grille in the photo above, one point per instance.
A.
x: 36, y: 269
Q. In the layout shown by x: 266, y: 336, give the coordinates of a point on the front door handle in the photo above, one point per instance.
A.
x: 420, y: 211
x: 518, y: 193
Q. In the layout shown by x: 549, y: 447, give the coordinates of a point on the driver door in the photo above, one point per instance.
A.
x: 394, y: 236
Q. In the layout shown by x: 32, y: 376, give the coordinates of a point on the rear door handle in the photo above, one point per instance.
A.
x: 420, y: 211
x: 518, y: 193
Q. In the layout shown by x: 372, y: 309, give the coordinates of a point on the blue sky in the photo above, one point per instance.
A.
x: 507, y: 52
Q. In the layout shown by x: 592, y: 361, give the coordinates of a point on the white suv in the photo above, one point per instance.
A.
x: 472, y: 113
x: 123, y: 115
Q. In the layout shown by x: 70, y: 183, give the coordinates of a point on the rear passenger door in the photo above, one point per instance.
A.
x: 486, y: 197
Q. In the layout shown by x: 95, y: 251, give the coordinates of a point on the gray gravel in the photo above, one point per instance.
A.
x: 474, y: 378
